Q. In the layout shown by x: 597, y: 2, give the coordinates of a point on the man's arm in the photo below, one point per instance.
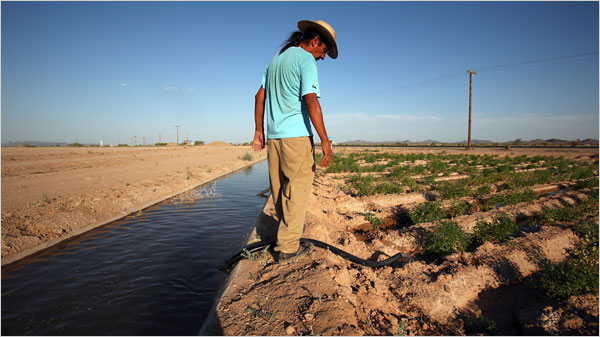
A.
x: 259, y: 112
x: 316, y: 116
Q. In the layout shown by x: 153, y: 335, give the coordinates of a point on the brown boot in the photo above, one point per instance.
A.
x: 304, y: 249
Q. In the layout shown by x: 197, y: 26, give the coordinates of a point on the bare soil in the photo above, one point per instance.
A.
x: 491, y: 287
x: 49, y: 193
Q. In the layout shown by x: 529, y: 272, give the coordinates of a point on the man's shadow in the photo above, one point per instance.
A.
x: 266, y: 227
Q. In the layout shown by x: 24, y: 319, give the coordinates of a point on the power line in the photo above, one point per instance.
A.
x: 375, y: 94
x: 508, y: 66
x: 549, y: 60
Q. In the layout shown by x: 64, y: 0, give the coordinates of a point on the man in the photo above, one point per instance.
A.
x: 289, y: 95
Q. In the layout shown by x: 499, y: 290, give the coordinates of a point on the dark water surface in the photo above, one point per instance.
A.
x: 153, y: 274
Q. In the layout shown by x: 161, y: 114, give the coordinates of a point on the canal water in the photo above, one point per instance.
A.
x: 151, y: 274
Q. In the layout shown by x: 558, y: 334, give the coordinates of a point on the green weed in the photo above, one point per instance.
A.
x: 250, y: 256
x: 452, y: 190
x: 482, y: 190
x: 576, y: 276
x: 411, y: 184
x: 45, y: 198
x: 496, y: 231
x: 247, y: 157
x: 527, y: 195
x: 481, y: 324
x: 587, y: 183
x: 401, y: 329
x: 438, y: 166
x: 364, y: 184
x: 417, y: 170
x: 446, y: 238
x: 457, y: 208
x: 260, y: 313
x: 426, y: 212
x: 388, y: 188
x: 375, y: 221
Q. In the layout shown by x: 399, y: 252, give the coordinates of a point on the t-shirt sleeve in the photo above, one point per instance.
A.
x: 264, y: 79
x: 309, y: 79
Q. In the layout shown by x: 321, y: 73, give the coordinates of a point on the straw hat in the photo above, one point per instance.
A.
x: 327, y: 33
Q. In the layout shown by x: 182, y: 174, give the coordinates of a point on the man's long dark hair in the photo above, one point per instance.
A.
x: 297, y: 37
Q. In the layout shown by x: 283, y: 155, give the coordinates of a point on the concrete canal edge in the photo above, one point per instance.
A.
x: 44, y: 245
x: 212, y: 325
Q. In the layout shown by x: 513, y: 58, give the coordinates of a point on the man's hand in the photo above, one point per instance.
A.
x: 327, y: 153
x: 259, y: 141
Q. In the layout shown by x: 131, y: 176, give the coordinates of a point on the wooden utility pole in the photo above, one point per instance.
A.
x: 470, y: 93
x: 177, y: 126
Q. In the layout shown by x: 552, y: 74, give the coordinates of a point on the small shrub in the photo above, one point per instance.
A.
x: 426, y: 212
x: 481, y: 324
x: 552, y: 216
x: 452, y: 190
x: 364, y: 184
x: 417, y: 169
x: 410, y: 183
x: 341, y: 164
x: 76, y: 144
x: 247, y: 157
x: 446, y: 238
x: 438, y: 166
x: 505, y: 168
x: 587, y: 231
x: 577, y: 275
x: 198, y: 142
x: 579, y: 172
x: 399, y: 172
x: 526, y: 195
x: 250, y: 256
x: 457, y: 208
x: 375, y: 221
x: 482, y: 190
x: 492, y: 202
x: 588, y: 183
x: 45, y: 198
x: 496, y: 231
x: 388, y: 188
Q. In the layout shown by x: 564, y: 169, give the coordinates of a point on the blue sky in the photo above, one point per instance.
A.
x: 92, y: 71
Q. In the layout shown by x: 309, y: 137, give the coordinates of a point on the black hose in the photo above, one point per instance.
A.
x: 227, y: 265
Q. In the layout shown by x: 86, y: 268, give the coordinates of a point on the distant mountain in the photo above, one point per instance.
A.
x: 539, y: 142
x: 590, y: 141
x: 34, y: 143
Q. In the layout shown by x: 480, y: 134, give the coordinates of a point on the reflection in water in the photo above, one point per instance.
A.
x: 149, y: 275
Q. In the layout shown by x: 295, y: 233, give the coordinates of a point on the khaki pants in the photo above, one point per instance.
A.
x: 291, y: 173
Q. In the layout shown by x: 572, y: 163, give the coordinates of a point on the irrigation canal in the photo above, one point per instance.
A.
x: 152, y: 274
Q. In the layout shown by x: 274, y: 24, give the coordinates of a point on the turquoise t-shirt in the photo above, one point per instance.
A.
x: 290, y: 75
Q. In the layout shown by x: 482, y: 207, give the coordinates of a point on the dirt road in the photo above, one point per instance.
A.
x: 50, y: 193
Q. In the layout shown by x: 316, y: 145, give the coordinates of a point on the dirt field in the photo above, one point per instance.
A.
x: 49, y: 193
x: 490, y: 288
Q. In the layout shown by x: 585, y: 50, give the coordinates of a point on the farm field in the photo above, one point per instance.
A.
x: 48, y: 193
x: 501, y: 242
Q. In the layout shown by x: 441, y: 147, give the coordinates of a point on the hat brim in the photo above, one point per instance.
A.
x: 324, y: 33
